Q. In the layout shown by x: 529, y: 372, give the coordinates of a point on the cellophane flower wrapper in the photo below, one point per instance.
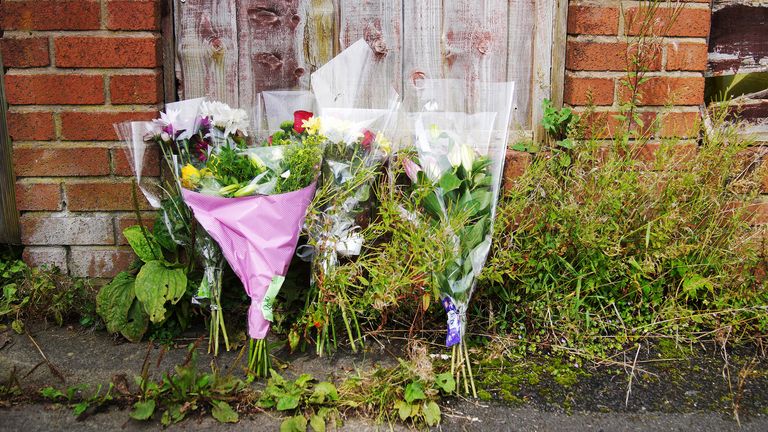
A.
x: 460, y: 136
x: 277, y: 106
x: 255, y: 222
x: 357, y: 112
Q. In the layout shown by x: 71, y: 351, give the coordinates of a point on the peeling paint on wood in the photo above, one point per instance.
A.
x: 206, y: 36
x: 232, y: 49
x: 738, y: 41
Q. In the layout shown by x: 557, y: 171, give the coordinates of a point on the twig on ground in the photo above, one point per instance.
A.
x: 55, y: 371
x: 632, y: 376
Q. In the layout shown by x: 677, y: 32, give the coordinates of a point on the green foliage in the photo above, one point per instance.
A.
x: 302, y: 161
x: 41, y: 294
x: 405, y: 392
x: 560, y: 124
x: 305, y: 399
x: 229, y: 166
x: 74, y: 397
x: 186, y: 390
x: 604, y: 246
x: 129, y: 302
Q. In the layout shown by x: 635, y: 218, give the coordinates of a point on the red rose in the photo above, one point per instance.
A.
x: 368, y: 138
x: 298, y: 120
x: 269, y: 140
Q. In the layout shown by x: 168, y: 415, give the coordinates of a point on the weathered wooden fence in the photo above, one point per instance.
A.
x: 231, y: 50
x: 9, y: 217
x: 738, y: 60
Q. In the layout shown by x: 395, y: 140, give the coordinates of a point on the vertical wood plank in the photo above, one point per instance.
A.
x: 422, y: 46
x: 268, y: 48
x: 169, y: 51
x: 559, y: 32
x: 9, y: 216
x: 542, y: 62
x: 380, y: 23
x: 475, y: 44
x: 206, y: 35
x: 316, y: 36
x: 520, y: 59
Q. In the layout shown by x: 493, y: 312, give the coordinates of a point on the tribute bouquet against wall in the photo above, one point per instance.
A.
x: 356, y: 112
x: 459, y: 144
x: 251, y: 201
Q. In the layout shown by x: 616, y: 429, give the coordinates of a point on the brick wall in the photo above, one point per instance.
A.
x: 74, y: 67
x: 596, y: 62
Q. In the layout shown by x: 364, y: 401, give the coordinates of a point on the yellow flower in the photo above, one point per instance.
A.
x: 311, y: 125
x: 190, y: 176
x: 383, y: 143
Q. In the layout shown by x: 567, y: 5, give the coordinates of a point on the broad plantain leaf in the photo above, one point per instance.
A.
x: 294, y: 424
x: 143, y: 243
x: 431, y: 413
x: 445, y: 382
x: 143, y: 410
x: 414, y: 391
x: 317, y: 423
x: 156, y: 284
x: 223, y: 412
x: 116, y: 306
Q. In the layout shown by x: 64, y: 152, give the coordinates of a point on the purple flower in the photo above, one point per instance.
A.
x: 411, y: 169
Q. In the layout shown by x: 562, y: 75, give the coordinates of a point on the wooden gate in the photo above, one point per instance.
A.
x: 232, y: 49
x: 9, y: 217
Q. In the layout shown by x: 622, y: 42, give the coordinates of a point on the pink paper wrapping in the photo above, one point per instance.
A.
x: 257, y: 235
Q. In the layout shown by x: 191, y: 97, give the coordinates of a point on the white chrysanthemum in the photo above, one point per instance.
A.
x: 225, y: 117
x: 338, y: 130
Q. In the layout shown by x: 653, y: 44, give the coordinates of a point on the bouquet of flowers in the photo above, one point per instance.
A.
x: 456, y: 176
x: 251, y: 201
x: 355, y: 126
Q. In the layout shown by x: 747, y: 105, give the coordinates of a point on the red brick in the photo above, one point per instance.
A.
x: 66, y: 229
x: 31, y: 126
x: 136, y: 89
x: 593, y: 20
x: 97, y: 126
x: 50, y: 15
x: 52, y: 257
x: 599, y: 56
x: 38, y: 196
x: 54, y: 89
x: 668, y: 90
x: 150, y: 162
x: 62, y: 161
x: 672, y: 124
x: 682, y: 152
x: 689, y: 22
x: 124, y: 222
x: 99, y: 262
x: 583, y: 91
x: 107, y: 52
x: 102, y: 196
x: 133, y: 15
x: 515, y: 165
x: 25, y: 52
x: 687, y: 56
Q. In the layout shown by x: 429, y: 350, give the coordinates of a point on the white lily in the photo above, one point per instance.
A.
x: 431, y: 169
x: 455, y: 155
x: 286, y: 174
x: 467, y: 157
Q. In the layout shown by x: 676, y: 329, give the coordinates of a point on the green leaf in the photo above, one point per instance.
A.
x: 449, y: 181
x: 143, y: 410
x: 287, y: 402
x: 317, y: 423
x: 79, y: 408
x: 414, y: 391
x: 432, y: 205
x: 324, y: 391
x: 156, y: 284
x: 143, y: 243
x: 161, y: 233
x: 116, y: 305
x: 431, y: 413
x: 403, y: 409
x: 294, y: 424
x: 445, y: 382
x: 223, y: 412
x: 51, y: 393
x: 303, y: 379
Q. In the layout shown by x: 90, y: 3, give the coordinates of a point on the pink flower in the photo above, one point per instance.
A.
x: 298, y: 120
x: 412, y: 169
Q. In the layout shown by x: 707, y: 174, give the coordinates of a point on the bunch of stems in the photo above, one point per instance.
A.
x: 217, y: 327
x: 259, y: 362
x: 461, y: 368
